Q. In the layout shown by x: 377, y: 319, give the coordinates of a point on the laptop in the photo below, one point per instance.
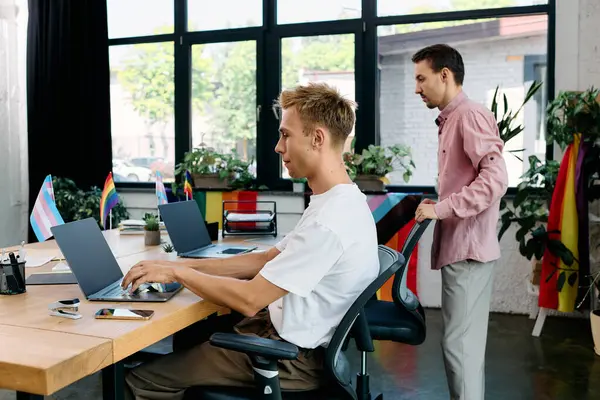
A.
x: 96, y: 269
x: 189, y: 236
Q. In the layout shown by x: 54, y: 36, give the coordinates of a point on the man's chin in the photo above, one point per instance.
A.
x: 431, y: 106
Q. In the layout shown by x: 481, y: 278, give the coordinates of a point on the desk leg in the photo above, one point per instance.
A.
x: 113, y: 382
x: 28, y: 396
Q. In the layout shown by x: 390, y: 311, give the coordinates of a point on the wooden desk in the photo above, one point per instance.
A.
x: 52, y: 352
x: 30, y: 310
x: 42, y: 362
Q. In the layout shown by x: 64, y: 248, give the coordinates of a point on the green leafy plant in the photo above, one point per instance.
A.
x: 168, y: 248
x: 151, y: 222
x: 380, y: 161
x: 568, y: 114
x: 229, y: 167
x: 75, y: 204
x: 506, y: 124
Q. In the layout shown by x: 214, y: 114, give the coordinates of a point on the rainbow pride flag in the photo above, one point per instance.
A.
x: 568, y: 214
x: 211, y: 203
x: 108, y: 199
x: 187, y: 186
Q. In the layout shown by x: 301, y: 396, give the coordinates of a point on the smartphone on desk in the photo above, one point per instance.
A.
x: 124, y: 313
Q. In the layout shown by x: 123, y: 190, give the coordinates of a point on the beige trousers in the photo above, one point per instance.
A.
x: 201, y: 364
x: 466, y: 292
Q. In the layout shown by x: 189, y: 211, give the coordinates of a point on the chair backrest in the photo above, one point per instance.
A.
x: 336, y: 364
x: 401, y: 294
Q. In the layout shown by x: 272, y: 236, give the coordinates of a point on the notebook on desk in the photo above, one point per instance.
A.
x: 52, y: 278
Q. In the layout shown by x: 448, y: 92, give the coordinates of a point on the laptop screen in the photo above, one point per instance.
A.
x: 88, y: 254
x: 185, y: 225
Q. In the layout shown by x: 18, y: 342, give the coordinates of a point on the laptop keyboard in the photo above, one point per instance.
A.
x: 117, y: 291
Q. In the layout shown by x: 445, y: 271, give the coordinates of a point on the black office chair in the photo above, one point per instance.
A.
x: 264, y: 353
x: 403, y: 320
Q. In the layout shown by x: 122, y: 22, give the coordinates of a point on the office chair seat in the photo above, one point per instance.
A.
x: 390, y: 322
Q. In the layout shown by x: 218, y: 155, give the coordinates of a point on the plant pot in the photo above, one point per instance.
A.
x: 370, y: 183
x: 298, y: 187
x: 536, y: 271
x: 209, y: 181
x: 151, y: 238
x: 595, y: 321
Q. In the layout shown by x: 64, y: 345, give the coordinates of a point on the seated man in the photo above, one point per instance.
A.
x: 308, y: 281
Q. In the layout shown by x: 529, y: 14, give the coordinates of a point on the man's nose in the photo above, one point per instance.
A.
x: 418, y: 89
x: 279, y: 147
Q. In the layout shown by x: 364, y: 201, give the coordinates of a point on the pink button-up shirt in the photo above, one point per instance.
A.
x: 472, y: 179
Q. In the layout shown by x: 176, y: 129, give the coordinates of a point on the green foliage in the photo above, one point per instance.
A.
x: 568, y: 114
x: 380, y: 161
x: 228, y: 166
x: 168, y: 248
x: 75, y: 204
x: 573, y: 113
x: 506, y: 123
x: 152, y: 222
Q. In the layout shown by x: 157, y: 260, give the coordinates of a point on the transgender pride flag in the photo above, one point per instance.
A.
x: 161, y: 193
x: 45, y: 215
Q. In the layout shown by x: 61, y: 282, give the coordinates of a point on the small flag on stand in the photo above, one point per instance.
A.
x: 108, y: 200
x: 161, y: 193
x: 45, y: 214
x: 187, y: 186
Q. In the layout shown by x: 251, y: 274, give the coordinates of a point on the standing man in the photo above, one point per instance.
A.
x: 472, y: 178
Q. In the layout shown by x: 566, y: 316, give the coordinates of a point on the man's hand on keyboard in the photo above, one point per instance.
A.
x: 150, y: 272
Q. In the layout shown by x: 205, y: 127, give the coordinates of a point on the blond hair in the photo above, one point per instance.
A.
x: 321, y: 104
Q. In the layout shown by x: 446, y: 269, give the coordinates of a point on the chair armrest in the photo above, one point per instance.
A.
x: 267, y: 348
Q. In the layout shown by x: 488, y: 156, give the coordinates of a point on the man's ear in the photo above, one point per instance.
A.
x: 445, y: 74
x: 318, y: 138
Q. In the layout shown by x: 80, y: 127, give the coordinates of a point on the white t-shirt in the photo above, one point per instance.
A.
x: 326, y: 262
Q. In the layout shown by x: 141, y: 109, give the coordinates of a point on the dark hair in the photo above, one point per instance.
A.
x: 442, y: 56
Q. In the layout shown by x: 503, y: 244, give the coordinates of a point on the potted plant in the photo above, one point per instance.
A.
x: 568, y: 114
x: 151, y: 230
x: 299, y: 185
x: 211, y: 169
x: 205, y: 165
x: 369, y: 169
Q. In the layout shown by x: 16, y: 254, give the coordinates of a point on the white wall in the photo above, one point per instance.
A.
x: 13, y: 130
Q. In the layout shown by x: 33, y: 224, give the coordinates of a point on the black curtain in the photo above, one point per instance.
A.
x: 68, y: 93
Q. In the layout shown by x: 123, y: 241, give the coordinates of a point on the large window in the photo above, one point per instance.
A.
x: 327, y: 58
x: 186, y: 73
x: 142, y: 91
x: 395, y: 7
x: 224, y: 98
x: 495, y: 53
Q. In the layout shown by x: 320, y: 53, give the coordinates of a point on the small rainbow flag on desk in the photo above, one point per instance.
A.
x: 187, y: 185
x: 45, y: 215
x: 161, y: 193
x: 108, y: 200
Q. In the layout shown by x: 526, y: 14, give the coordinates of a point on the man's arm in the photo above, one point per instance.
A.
x: 484, y: 147
x: 243, y: 266
x: 246, y: 297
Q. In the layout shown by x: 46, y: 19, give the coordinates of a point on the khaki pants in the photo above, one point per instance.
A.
x: 466, y: 292
x: 195, y: 362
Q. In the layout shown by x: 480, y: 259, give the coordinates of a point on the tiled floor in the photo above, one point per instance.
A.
x: 560, y: 365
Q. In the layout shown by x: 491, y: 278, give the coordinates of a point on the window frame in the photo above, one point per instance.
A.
x: 268, y: 74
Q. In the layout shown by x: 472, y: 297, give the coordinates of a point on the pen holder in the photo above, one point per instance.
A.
x: 12, y: 277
